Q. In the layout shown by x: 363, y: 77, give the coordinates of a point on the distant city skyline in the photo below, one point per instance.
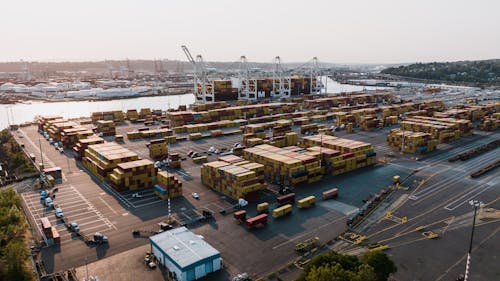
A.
x: 343, y: 32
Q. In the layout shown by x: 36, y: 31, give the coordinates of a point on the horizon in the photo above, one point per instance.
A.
x: 361, y: 32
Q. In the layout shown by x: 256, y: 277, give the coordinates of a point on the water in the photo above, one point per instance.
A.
x: 335, y: 87
x: 25, y: 112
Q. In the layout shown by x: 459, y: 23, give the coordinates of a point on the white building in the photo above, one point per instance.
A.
x: 185, y: 254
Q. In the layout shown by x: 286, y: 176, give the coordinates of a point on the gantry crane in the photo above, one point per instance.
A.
x: 315, y: 85
x: 203, y: 87
x: 247, y: 89
x: 281, y: 84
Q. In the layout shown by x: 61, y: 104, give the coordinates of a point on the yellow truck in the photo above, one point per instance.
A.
x: 281, y: 211
x: 306, y: 202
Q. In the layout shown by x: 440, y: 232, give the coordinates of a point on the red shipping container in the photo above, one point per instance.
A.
x: 286, y: 199
x: 260, y: 219
x: 240, y: 215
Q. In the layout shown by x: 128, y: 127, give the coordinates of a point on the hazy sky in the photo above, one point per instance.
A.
x: 347, y: 31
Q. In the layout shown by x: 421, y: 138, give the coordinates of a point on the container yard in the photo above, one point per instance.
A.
x: 277, y: 175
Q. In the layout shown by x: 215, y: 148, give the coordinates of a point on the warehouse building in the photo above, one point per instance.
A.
x: 185, y: 254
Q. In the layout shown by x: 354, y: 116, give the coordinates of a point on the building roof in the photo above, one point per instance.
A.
x: 183, y: 247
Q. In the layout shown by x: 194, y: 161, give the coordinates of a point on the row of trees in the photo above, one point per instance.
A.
x: 485, y: 72
x: 14, y: 251
x: 373, y: 266
x: 12, y: 156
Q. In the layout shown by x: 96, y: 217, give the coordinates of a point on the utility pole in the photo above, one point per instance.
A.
x: 476, y: 204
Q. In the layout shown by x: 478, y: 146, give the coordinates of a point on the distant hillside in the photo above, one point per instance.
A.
x: 485, y: 72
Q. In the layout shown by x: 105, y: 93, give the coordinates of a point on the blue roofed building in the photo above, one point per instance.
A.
x: 185, y: 254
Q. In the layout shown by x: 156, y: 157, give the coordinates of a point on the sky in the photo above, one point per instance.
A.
x: 354, y: 31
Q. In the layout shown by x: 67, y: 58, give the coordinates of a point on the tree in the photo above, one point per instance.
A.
x: 381, y: 263
x: 328, y: 273
x: 338, y: 267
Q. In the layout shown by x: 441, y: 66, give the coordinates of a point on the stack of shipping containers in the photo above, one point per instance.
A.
x: 158, y: 149
x: 133, y: 175
x: 284, y: 165
x: 106, y: 127
x: 101, y: 159
x: 236, y: 181
x: 84, y: 143
x: 414, y: 142
x: 167, y: 185
x: 345, y: 155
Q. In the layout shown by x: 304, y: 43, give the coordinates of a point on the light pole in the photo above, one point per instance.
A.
x: 475, y: 204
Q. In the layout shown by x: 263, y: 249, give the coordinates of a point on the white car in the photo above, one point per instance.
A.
x: 212, y: 149
x: 195, y: 196
x: 59, y: 213
x: 136, y: 195
x: 237, y: 145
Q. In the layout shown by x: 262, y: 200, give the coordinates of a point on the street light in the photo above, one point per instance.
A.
x: 475, y: 204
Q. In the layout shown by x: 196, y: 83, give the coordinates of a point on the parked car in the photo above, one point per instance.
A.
x: 49, y: 202
x: 61, y: 149
x: 136, y: 195
x: 195, y: 196
x: 75, y: 227
x: 59, y: 213
x: 237, y: 145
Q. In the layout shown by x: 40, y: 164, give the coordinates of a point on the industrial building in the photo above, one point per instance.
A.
x: 185, y: 254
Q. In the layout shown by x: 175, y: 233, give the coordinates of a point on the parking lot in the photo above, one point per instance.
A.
x: 76, y: 208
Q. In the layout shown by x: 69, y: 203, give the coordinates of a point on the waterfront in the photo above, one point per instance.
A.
x: 25, y: 112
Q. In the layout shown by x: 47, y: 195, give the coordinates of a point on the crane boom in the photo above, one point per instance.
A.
x: 188, y: 54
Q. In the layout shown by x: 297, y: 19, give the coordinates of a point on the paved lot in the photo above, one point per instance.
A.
x: 441, y: 205
x: 98, y: 208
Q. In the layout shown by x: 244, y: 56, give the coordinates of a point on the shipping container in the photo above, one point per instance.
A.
x: 331, y: 193
x: 306, y: 202
x: 281, y: 211
x: 240, y: 215
x: 263, y: 207
x: 286, y: 199
x: 257, y: 220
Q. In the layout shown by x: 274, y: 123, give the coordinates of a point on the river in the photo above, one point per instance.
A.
x: 25, y: 112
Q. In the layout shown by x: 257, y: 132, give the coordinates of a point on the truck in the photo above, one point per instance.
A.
x: 257, y: 220
x: 306, y: 202
x: 286, y: 199
x: 281, y: 211
x: 331, y: 193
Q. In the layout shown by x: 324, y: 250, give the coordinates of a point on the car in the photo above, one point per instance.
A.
x: 237, y: 145
x: 61, y: 149
x: 75, y: 227
x: 48, y: 202
x: 211, y: 149
x: 216, y: 151
x: 136, y: 195
x: 51, y: 140
x: 195, y: 154
x: 158, y: 164
x: 100, y: 134
x: 56, y: 145
x: 59, y: 213
x: 195, y: 195
x: 190, y: 153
